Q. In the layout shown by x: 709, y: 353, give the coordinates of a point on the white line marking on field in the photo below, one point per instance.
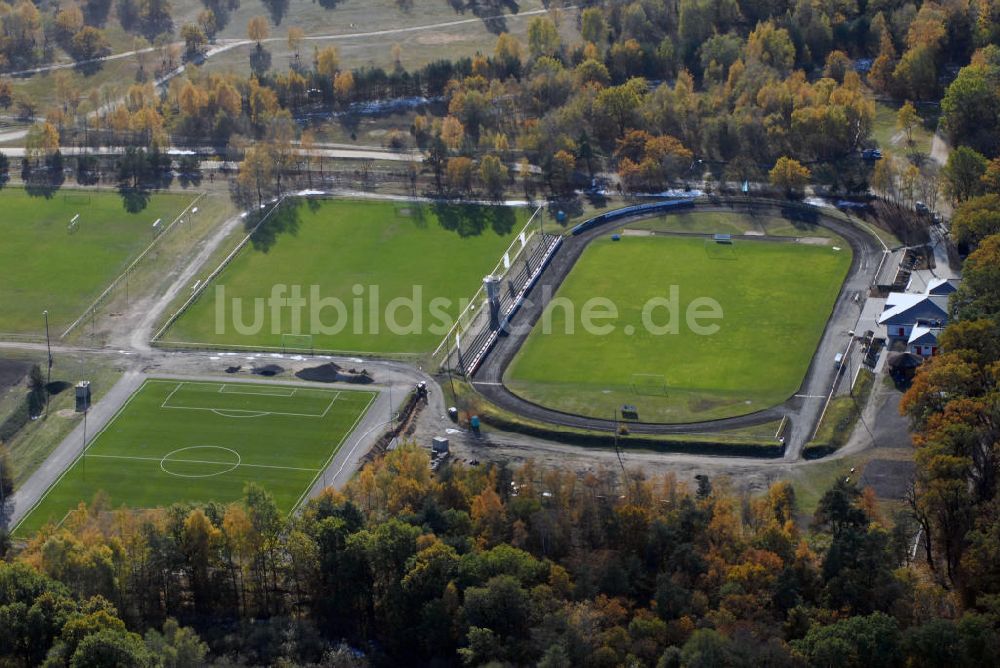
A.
x: 225, y: 412
x: 205, y: 461
x: 164, y: 404
x: 64, y: 518
x: 223, y: 390
x: 149, y: 381
x: 810, y: 396
x: 249, y: 414
x: 330, y: 405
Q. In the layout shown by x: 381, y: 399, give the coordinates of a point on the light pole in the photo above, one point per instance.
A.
x: 48, y: 347
x: 83, y: 455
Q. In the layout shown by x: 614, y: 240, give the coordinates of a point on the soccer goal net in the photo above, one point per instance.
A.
x: 649, y: 384
x: 302, y: 343
x: 720, y: 247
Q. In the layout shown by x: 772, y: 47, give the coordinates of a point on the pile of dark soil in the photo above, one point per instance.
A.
x: 58, y: 387
x: 324, y: 373
x: 332, y: 373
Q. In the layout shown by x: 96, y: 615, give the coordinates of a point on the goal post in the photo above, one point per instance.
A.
x: 649, y: 384
x: 297, y: 343
x: 721, y: 247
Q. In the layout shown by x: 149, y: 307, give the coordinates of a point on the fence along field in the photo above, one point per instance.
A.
x: 176, y: 441
x: 59, y: 254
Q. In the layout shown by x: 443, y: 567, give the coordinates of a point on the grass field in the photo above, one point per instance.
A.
x: 192, y: 441
x: 721, y: 222
x: 47, y: 266
x: 891, y: 138
x: 775, y: 298
x: 387, y: 249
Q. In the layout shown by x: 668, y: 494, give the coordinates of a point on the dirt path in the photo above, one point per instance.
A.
x: 224, y: 45
x: 135, y: 329
x: 939, y: 149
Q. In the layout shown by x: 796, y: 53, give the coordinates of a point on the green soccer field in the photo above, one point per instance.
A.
x: 339, y: 248
x: 177, y: 441
x: 48, y: 266
x: 775, y: 299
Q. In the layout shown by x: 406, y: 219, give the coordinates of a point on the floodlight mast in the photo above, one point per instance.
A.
x: 48, y: 347
x: 83, y: 453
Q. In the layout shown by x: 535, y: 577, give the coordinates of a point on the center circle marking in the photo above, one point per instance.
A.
x: 167, y: 459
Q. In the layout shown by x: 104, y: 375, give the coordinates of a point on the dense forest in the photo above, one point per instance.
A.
x: 483, y: 565
x: 657, y: 92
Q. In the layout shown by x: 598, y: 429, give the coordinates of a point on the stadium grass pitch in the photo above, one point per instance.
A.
x: 776, y: 298
x: 47, y: 265
x: 443, y: 249
x: 176, y: 441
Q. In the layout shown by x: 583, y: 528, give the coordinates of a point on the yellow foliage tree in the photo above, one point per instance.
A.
x: 258, y: 29
x: 789, y: 174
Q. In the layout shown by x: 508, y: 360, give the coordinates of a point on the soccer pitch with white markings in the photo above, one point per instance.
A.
x: 176, y: 441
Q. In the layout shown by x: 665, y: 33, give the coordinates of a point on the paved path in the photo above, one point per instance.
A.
x: 360, y: 153
x: 34, y: 488
x: 803, y: 409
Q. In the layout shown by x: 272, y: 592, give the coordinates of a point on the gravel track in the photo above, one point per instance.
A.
x: 802, y: 411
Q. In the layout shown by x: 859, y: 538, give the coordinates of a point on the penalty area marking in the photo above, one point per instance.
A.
x: 223, y: 390
x: 225, y: 412
x: 245, y: 412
